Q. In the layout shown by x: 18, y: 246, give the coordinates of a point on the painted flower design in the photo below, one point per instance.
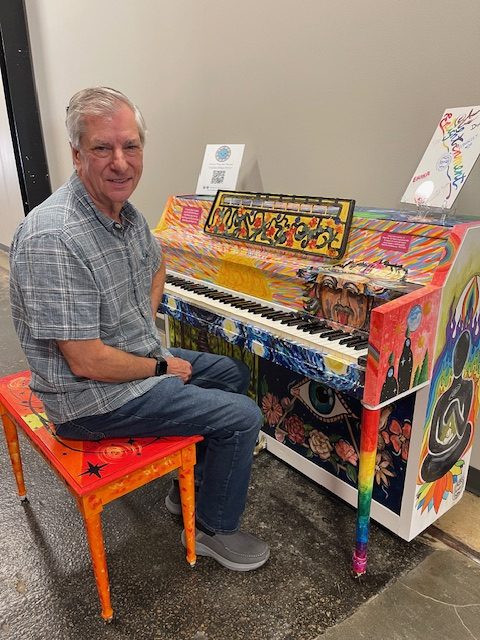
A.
x: 295, y: 429
x: 398, y: 435
x: 346, y: 452
x: 320, y: 444
x: 382, y: 471
x: 272, y: 409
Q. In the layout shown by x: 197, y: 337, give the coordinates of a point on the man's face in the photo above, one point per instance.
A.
x: 109, y: 161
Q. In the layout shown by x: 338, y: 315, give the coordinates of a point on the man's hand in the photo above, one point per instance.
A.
x: 180, y: 368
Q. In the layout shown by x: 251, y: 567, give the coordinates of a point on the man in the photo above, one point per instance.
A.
x: 87, y: 277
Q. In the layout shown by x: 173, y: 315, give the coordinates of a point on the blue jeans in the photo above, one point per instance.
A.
x: 213, y: 405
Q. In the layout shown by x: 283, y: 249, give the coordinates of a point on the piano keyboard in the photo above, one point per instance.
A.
x: 281, y: 322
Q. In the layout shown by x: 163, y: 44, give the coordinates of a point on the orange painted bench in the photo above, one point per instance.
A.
x: 97, y: 472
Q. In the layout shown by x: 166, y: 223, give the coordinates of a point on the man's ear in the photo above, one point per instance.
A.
x: 75, y: 157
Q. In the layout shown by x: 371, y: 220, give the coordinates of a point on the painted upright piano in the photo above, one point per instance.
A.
x: 362, y: 331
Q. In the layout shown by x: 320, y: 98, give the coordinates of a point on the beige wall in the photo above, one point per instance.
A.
x: 331, y: 98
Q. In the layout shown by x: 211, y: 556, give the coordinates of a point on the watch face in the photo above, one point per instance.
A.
x: 161, y: 367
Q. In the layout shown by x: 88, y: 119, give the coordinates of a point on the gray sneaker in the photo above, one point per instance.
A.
x: 172, y: 499
x: 237, y: 551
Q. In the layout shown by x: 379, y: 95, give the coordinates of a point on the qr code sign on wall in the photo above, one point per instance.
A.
x: 218, y: 177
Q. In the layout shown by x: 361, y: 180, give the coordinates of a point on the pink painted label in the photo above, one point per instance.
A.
x: 191, y: 215
x: 395, y: 241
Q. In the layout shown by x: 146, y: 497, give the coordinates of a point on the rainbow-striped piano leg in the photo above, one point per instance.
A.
x: 366, y: 475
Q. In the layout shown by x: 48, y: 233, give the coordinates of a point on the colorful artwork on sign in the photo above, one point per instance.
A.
x: 448, y: 159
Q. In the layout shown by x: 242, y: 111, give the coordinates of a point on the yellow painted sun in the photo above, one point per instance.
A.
x: 238, y: 272
x: 229, y: 326
x: 335, y: 365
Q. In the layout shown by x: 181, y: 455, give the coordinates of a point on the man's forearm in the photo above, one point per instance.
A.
x: 156, y: 292
x: 97, y: 361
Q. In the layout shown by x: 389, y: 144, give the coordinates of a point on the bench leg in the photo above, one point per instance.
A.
x: 11, y: 437
x: 186, y: 483
x: 93, y: 525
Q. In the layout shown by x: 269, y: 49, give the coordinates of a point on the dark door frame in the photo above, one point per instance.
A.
x: 22, y: 105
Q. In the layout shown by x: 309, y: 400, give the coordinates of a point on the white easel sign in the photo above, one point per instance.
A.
x: 220, y: 168
x: 448, y: 159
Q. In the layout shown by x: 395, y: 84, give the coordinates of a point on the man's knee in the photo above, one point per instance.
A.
x: 250, y: 414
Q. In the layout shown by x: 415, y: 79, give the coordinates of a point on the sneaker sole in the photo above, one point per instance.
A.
x: 202, y: 550
x: 174, y: 508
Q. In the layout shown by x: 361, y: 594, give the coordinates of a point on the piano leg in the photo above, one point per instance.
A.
x: 366, y: 474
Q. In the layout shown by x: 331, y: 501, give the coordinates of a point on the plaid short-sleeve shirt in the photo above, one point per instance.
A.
x: 75, y: 274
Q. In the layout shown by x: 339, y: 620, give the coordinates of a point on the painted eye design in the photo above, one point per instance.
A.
x: 322, y: 401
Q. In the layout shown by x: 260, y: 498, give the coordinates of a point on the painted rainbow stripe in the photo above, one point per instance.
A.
x: 366, y: 474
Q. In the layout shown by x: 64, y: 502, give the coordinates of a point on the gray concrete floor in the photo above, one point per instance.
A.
x: 424, y: 589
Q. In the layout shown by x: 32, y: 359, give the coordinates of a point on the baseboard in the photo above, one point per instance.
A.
x: 473, y: 481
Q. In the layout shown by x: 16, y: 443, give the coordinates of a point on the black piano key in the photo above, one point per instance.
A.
x: 325, y: 334
x: 360, y: 345
x: 290, y: 316
x: 320, y: 329
x: 275, y: 315
x: 315, y: 326
x: 284, y: 315
x: 258, y: 309
x: 214, y: 295
x: 353, y: 341
x: 336, y: 336
x: 304, y: 323
x: 265, y: 312
x: 246, y: 304
x: 362, y: 361
x: 270, y: 315
x: 294, y: 321
x: 198, y: 288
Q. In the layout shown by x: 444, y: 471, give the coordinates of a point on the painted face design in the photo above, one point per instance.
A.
x: 344, y: 302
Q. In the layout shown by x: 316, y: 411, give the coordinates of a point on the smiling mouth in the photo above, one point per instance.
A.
x: 119, y: 181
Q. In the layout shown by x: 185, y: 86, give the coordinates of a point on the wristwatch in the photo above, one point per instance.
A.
x: 161, y: 368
